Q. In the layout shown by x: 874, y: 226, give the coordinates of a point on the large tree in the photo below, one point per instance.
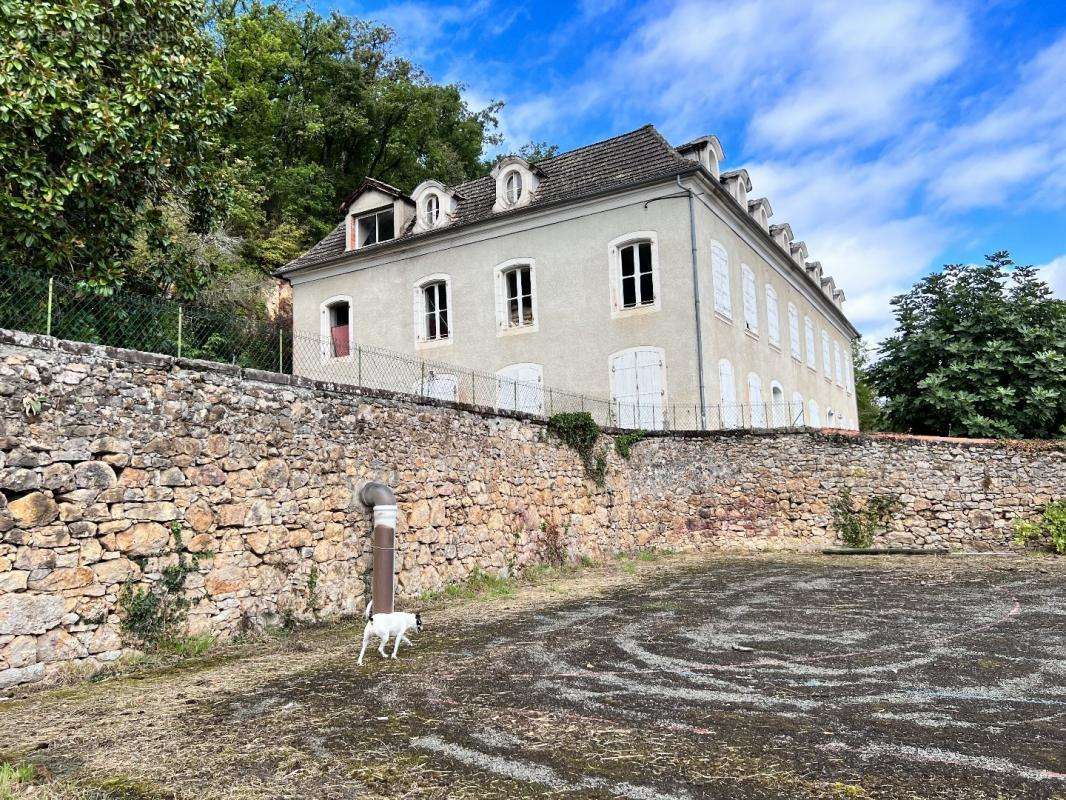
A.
x: 105, y: 109
x: 979, y: 350
x: 319, y: 105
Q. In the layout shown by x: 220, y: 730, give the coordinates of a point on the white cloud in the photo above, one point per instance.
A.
x: 1054, y: 274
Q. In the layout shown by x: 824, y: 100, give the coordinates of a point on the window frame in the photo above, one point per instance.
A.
x: 375, y: 213
x: 500, y: 272
x: 827, y: 363
x: 502, y: 379
x: 811, y: 341
x: 664, y: 393
x: 728, y: 407
x: 751, y: 313
x: 757, y: 406
x: 614, y: 260
x: 838, y: 364
x: 773, y: 320
x: 431, y: 197
x: 794, y: 344
x: 325, y: 328
x: 520, y: 182
x: 721, y: 282
x: 422, y: 342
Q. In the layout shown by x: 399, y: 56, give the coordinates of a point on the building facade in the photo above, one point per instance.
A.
x: 626, y: 270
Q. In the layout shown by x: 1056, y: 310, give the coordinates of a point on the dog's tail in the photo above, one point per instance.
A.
x: 367, y: 613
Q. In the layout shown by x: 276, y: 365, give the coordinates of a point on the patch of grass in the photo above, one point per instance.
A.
x: 187, y: 646
x: 479, y: 584
x: 15, y: 778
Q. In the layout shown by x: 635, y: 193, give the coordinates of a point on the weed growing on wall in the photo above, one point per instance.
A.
x: 1050, y: 529
x: 152, y: 615
x: 857, y: 526
x: 623, y: 444
x: 580, y: 431
x: 314, y: 602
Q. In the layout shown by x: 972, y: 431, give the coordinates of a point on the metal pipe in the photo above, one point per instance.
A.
x: 383, y: 500
x: 696, y: 303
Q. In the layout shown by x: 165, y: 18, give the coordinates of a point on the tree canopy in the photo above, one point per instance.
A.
x: 979, y: 350
x: 162, y: 146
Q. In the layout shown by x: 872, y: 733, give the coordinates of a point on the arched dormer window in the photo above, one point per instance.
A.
x: 516, y: 183
x: 436, y: 205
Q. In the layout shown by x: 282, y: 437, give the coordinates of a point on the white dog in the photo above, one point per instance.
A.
x: 385, y: 625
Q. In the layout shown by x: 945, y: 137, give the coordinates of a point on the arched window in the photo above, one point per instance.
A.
x: 751, y: 302
x: 794, y: 332
x: 514, y: 187
x: 520, y: 387
x: 773, y: 319
x: 758, y: 410
x: 731, y: 413
x: 723, y: 302
x: 431, y: 213
x: 433, y: 310
x: 795, y: 411
x: 338, y: 334
x: 814, y: 418
x: 808, y: 331
x: 778, y: 406
x: 634, y: 261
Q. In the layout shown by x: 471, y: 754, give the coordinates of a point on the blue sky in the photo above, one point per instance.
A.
x: 893, y: 136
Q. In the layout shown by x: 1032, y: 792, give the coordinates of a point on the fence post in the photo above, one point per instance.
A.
x: 550, y: 407
x: 181, y: 320
x: 51, y: 289
x: 473, y: 388
x: 281, y: 350
x: 422, y: 385
x: 359, y: 365
x: 515, y: 384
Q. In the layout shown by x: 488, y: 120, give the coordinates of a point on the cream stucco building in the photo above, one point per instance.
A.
x: 627, y: 271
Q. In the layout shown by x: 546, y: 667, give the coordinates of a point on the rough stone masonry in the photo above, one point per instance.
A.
x: 259, y: 473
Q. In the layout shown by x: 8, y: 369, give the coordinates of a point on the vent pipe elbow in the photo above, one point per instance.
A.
x: 382, y: 499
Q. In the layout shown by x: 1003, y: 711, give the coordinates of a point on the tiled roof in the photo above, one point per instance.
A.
x: 635, y: 157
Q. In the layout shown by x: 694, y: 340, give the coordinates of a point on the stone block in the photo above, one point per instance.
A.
x: 32, y: 510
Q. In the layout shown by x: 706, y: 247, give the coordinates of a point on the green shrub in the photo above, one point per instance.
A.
x: 1051, y: 528
x: 857, y: 526
x: 623, y: 444
x: 153, y: 615
x: 14, y: 779
x: 580, y: 431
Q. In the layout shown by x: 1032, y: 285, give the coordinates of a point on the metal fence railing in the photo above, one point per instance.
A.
x: 38, y: 304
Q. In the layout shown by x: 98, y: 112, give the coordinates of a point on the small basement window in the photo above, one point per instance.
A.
x: 377, y: 226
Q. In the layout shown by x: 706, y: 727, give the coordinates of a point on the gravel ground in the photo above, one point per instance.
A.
x: 728, y: 677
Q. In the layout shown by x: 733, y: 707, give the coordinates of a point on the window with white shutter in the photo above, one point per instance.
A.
x: 439, y: 386
x: 795, y: 411
x: 731, y: 414
x: 751, y: 303
x: 808, y: 330
x: 815, y: 420
x: 723, y: 302
x: 773, y: 318
x: 827, y: 366
x: 794, y: 332
x: 520, y: 387
x: 838, y: 363
x: 758, y: 410
x: 849, y: 374
x: 638, y: 387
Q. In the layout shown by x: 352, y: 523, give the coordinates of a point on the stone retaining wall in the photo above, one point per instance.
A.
x: 257, y: 474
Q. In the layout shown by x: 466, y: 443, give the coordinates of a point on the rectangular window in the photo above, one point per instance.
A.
x: 838, y: 362
x: 827, y: 366
x: 794, y: 332
x: 375, y: 227
x: 519, y: 285
x: 808, y: 330
x: 338, y: 329
x: 723, y: 303
x: 751, y: 303
x: 435, y: 296
x: 638, y: 283
x: 773, y: 321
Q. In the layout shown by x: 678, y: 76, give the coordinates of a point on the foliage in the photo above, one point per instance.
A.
x: 314, y: 602
x: 871, y: 415
x: 106, y: 108
x: 979, y: 350
x: 1051, y: 528
x: 153, y: 615
x: 580, y: 431
x: 624, y: 442
x: 479, y: 584
x: 857, y: 526
x: 532, y: 152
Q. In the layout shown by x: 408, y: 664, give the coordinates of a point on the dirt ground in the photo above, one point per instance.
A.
x: 724, y: 677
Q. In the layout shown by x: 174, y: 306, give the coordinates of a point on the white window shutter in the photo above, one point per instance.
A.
x: 751, y: 308
x: 720, y: 279
x: 773, y: 323
x: 419, y: 314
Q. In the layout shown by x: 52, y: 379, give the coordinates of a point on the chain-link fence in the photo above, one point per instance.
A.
x: 64, y: 309
x: 57, y: 307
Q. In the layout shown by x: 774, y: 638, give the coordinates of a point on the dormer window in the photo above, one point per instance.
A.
x: 514, y: 187
x: 431, y: 213
x: 377, y: 226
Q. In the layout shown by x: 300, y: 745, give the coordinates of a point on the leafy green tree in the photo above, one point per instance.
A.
x: 319, y: 105
x: 106, y: 108
x: 530, y: 151
x: 979, y: 350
